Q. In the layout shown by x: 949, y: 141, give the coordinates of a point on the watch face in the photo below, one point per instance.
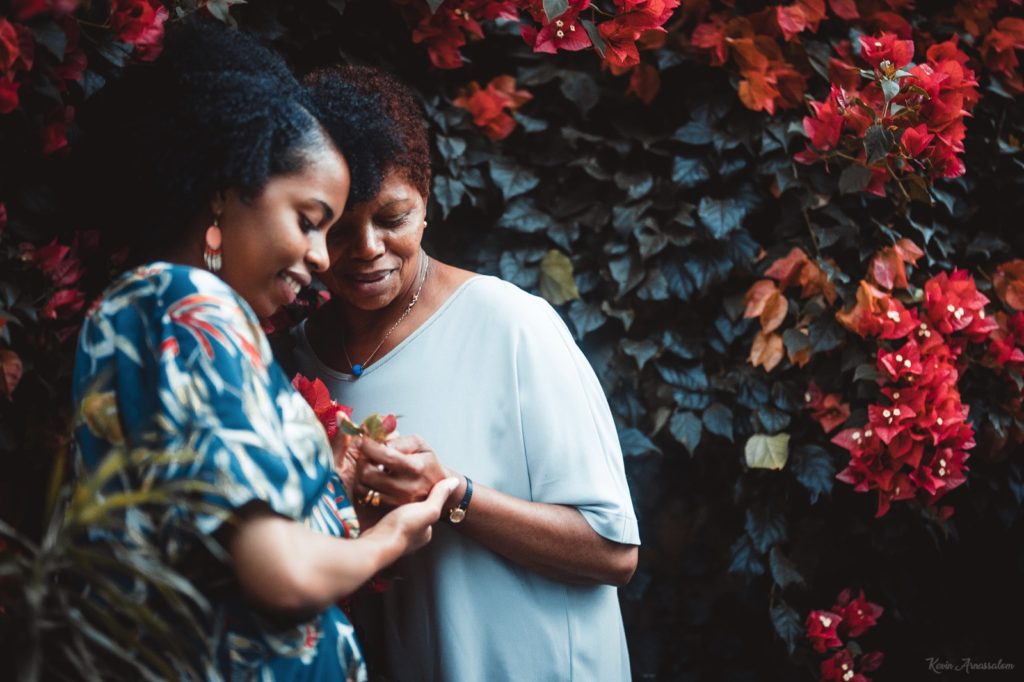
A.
x: 457, y: 515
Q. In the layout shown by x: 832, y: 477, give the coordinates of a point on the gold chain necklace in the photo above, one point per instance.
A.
x: 359, y: 368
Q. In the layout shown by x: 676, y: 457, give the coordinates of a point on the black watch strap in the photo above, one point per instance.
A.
x: 459, y: 513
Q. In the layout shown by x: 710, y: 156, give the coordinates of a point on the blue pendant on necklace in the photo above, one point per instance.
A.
x: 357, y: 370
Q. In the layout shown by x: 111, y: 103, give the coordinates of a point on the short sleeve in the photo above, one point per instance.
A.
x: 572, y: 446
x: 188, y: 369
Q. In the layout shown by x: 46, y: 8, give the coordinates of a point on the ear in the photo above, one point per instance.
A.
x: 217, y: 203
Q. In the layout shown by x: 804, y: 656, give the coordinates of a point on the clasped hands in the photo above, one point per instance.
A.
x: 392, y: 474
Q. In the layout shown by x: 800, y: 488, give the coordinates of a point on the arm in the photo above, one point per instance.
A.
x: 288, y: 568
x: 550, y: 539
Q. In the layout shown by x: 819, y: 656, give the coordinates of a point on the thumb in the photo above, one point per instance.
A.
x: 440, y: 492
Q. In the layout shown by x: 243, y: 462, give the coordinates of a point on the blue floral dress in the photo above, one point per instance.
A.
x: 172, y: 359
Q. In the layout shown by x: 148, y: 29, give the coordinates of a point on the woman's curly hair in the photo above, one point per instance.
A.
x: 216, y: 111
x: 376, y: 122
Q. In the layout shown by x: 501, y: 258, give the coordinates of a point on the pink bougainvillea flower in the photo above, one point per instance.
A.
x: 822, y: 630
x: 327, y: 410
x: 858, y: 614
x: 886, y: 47
x: 140, y: 23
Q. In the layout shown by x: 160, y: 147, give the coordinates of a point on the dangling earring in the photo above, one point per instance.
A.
x: 211, y: 251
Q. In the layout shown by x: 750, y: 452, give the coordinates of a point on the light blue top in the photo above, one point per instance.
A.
x: 495, y: 384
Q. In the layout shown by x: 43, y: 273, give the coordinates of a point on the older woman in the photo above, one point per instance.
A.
x: 226, y: 186
x: 519, y: 584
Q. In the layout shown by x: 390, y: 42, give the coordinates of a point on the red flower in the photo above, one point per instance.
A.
x: 711, y: 36
x: 491, y: 106
x: 54, y: 132
x: 954, y: 304
x: 886, y: 47
x: 64, y: 304
x: 638, y: 18
x: 826, y: 409
x: 564, y: 32
x: 140, y: 23
x: 840, y: 668
x: 821, y: 630
x: 326, y: 409
x: 877, y: 313
x: 858, y: 614
x: 915, y: 140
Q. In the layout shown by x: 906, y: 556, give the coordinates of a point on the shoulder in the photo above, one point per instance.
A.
x: 154, y: 288
x: 505, y: 300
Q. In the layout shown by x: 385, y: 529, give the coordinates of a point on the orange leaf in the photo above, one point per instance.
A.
x: 10, y: 372
x: 786, y: 270
x: 757, y: 296
x: 887, y: 269
x: 644, y: 82
x: 814, y: 280
x: 857, y: 319
x: 767, y: 350
x: 775, y: 308
x: 1008, y: 282
x: 792, y: 21
x: 908, y: 250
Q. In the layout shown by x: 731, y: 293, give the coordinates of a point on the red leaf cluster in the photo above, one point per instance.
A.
x: 849, y: 617
x: 491, y: 106
x: 916, y: 441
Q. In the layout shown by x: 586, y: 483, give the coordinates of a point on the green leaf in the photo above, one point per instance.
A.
x: 787, y: 624
x: 634, y: 443
x: 877, y: 143
x: 52, y: 37
x: 721, y: 216
x: 890, y: 88
x: 511, y: 178
x: 718, y: 420
x: 854, y: 179
x: 784, y: 571
x: 814, y: 467
x: 767, y: 452
x: 641, y: 351
x: 595, y: 36
x: 557, y: 284
x: 553, y: 8
x: 434, y: 5
x: 586, y: 317
x: 689, y: 173
x: 686, y: 428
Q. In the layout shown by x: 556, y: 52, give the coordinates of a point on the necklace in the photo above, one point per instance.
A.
x: 359, y: 368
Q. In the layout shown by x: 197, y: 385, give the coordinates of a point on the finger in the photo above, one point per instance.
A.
x: 409, y: 444
x: 377, y: 453
x: 439, y: 494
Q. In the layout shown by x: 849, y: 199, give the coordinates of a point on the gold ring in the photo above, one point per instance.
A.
x: 368, y: 497
x: 375, y: 499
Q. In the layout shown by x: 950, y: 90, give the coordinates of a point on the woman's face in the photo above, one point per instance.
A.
x: 273, y: 243
x: 374, y: 247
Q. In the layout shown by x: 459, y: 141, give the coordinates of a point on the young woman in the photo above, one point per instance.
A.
x: 223, y: 184
x: 520, y: 583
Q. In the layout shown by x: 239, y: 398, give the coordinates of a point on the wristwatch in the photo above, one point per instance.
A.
x: 457, y: 514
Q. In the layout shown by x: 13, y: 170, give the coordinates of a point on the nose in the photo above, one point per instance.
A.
x: 367, y: 244
x: 316, y: 256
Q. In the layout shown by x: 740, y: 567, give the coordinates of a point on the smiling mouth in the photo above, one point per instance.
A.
x: 371, y: 277
x: 295, y: 284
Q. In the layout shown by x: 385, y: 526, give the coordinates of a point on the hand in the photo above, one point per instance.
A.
x: 346, y: 456
x: 403, y: 470
x: 412, y: 522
